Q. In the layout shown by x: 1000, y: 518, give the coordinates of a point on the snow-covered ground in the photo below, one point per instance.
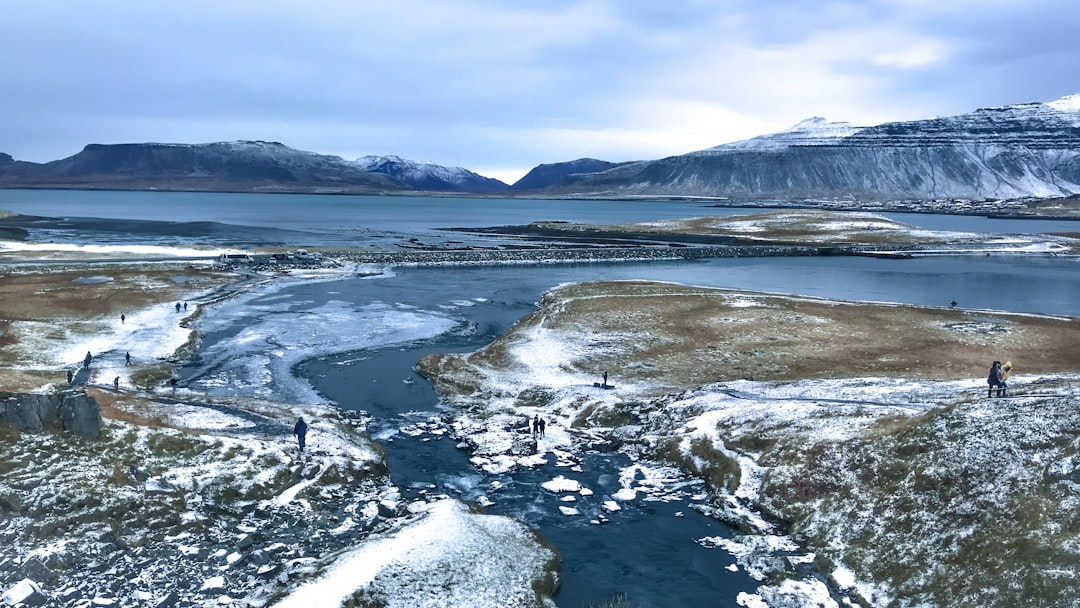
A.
x: 803, y: 468
x: 211, y: 494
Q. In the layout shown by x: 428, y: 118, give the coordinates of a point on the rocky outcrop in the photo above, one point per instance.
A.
x: 76, y: 412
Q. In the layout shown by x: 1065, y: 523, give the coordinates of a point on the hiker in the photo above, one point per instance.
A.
x: 996, y: 378
x: 185, y: 306
x: 122, y: 318
x: 116, y: 383
x: 604, y: 383
x: 127, y: 358
x: 86, y: 360
x: 300, y: 430
x: 71, y: 376
x: 172, y: 381
x: 535, y: 425
x: 177, y: 307
x: 541, y: 426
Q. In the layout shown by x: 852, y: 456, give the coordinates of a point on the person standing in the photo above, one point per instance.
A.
x: 996, y: 378
x: 300, y: 430
x: 127, y: 358
x: 86, y: 360
x: 541, y: 425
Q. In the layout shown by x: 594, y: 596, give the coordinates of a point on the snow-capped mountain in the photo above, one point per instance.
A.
x: 429, y: 176
x: 1024, y: 150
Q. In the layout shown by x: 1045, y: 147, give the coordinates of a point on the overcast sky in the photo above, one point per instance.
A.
x: 499, y: 87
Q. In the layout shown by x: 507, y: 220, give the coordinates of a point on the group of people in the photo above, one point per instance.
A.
x: 538, y: 425
x: 998, y: 378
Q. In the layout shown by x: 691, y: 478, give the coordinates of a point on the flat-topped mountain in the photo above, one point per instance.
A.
x: 229, y: 166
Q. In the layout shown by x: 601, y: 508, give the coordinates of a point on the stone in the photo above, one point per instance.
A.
x: 35, y: 570
x: 30, y: 412
x: 26, y: 593
x: 169, y: 600
x: 81, y: 415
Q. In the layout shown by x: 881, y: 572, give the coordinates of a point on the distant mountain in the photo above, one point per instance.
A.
x: 1025, y: 150
x: 429, y: 176
x: 240, y: 166
x: 545, y: 176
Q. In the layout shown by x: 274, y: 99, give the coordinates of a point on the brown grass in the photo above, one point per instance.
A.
x: 55, y: 298
x: 126, y: 409
x: 149, y: 376
x: 686, y: 337
x: 52, y: 295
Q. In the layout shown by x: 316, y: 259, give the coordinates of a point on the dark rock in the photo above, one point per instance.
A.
x: 10, y: 502
x: 35, y: 570
x: 25, y: 593
x: 246, y: 541
x: 31, y: 412
x: 28, y: 412
x: 169, y: 601
x: 81, y: 415
x: 386, y: 510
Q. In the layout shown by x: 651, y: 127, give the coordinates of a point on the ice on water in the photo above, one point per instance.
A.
x: 271, y: 335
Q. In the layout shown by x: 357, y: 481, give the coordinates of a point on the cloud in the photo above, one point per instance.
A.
x: 500, y: 86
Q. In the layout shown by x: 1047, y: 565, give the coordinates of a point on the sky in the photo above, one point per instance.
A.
x: 499, y: 87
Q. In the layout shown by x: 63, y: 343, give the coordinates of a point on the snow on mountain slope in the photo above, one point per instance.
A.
x: 429, y: 176
x: 810, y: 132
x: 1016, y: 151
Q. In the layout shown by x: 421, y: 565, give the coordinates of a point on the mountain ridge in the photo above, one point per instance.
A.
x: 241, y: 166
x: 1026, y: 150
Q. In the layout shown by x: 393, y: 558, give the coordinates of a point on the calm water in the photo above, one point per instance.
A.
x: 300, y: 220
x: 354, y: 342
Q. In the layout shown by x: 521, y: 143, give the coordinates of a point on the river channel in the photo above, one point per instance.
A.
x: 371, y: 331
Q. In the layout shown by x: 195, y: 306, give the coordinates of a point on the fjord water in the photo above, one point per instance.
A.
x: 299, y: 220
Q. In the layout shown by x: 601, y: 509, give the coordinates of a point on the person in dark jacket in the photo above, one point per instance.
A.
x: 300, y: 430
x: 996, y: 378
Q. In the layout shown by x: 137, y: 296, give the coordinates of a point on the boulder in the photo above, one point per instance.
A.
x: 25, y: 592
x: 30, y: 412
x: 81, y: 415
